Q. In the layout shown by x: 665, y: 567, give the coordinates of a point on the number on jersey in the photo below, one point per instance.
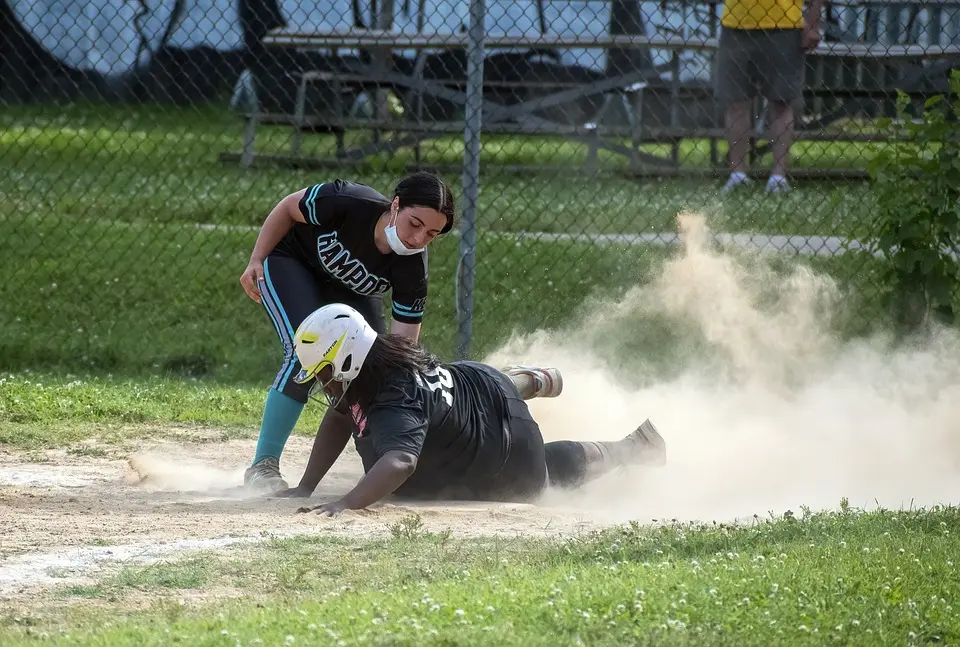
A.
x: 439, y: 379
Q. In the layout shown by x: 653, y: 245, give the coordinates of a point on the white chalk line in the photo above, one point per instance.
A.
x: 802, y: 244
x: 71, y: 564
x: 810, y: 245
x: 806, y: 244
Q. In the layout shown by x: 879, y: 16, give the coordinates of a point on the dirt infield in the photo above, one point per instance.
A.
x: 69, y: 515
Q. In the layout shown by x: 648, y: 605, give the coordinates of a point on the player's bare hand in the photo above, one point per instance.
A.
x: 252, y: 279
x: 331, y: 509
x: 292, y: 493
x: 811, y: 36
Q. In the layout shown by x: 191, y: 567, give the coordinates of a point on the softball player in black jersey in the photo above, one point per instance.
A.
x: 439, y: 431
x: 338, y: 242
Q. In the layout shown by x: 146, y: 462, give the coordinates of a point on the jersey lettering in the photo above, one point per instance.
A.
x: 339, y: 263
x: 343, y: 264
x: 439, y: 379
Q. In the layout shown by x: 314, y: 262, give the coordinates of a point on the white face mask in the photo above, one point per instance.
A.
x: 393, y: 239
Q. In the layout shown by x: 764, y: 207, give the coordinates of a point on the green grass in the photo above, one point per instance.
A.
x: 107, y: 371
x: 148, y: 300
x: 47, y: 411
x: 101, y: 345
x: 28, y: 399
x: 878, y: 578
x: 107, y: 274
x: 161, y: 164
x: 192, y: 573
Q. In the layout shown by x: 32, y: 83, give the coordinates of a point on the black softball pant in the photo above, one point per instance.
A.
x: 532, y: 465
x: 291, y: 291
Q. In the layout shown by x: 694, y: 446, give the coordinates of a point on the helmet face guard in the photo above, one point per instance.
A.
x: 317, y: 388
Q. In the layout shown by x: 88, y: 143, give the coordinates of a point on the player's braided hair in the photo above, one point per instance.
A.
x: 422, y: 189
x: 388, y: 354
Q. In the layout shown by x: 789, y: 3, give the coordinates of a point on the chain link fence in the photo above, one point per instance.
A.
x: 145, y: 143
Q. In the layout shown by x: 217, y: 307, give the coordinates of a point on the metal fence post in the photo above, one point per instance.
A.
x: 471, y: 178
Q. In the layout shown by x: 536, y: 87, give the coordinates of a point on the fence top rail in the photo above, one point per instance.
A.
x: 841, y: 3
x: 894, y: 4
x: 364, y: 38
x: 949, y: 5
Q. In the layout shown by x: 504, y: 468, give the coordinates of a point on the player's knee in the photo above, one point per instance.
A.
x: 296, y: 391
x: 566, y: 463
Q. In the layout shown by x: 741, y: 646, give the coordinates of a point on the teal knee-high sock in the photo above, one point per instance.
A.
x: 280, y: 415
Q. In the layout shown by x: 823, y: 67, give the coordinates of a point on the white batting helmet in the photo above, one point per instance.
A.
x: 335, y: 335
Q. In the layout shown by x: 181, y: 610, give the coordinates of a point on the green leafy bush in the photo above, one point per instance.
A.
x: 917, y: 224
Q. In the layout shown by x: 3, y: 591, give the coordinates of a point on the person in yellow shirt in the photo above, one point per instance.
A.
x: 761, y: 53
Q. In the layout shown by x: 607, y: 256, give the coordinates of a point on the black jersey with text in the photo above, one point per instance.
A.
x: 451, y: 419
x: 337, y: 241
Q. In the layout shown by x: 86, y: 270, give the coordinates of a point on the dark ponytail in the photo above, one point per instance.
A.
x: 422, y: 189
x: 388, y: 354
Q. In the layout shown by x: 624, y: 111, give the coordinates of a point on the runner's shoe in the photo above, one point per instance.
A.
x: 265, y: 476
x: 649, y: 447
x: 548, y: 383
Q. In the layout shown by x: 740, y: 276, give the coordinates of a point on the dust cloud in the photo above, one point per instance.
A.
x: 769, y: 412
x: 164, y: 473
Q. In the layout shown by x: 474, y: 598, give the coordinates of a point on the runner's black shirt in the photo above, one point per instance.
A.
x: 451, y: 419
x: 337, y: 242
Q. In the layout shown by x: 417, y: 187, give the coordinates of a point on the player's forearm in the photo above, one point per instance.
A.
x: 409, y: 330
x: 332, y: 437
x: 280, y: 220
x: 383, y: 479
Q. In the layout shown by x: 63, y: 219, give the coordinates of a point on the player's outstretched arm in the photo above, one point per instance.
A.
x: 386, y: 475
x: 332, y: 437
x: 279, y: 221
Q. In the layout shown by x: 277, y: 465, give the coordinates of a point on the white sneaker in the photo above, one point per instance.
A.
x: 736, y: 179
x: 548, y: 381
x: 777, y: 184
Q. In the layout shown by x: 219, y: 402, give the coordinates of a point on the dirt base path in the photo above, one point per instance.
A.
x: 66, y: 514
